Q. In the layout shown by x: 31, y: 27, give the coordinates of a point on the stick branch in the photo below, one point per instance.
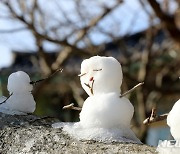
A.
x: 71, y: 107
x: 154, y: 118
x: 132, y: 89
x: 90, y: 87
x: 35, y: 82
x: 6, y: 99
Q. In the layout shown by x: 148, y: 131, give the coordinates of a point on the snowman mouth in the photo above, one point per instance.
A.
x: 90, y: 87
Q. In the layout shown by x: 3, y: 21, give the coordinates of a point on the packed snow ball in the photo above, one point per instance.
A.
x: 19, y: 82
x: 106, y: 111
x: 21, y: 101
x: 104, y: 72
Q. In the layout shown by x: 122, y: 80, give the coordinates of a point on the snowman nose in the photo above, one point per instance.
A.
x: 91, y: 79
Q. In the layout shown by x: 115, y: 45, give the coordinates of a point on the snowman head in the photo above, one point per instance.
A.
x: 101, y: 75
x: 19, y: 82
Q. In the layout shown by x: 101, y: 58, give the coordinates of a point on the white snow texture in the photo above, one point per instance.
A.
x: 21, y: 101
x: 173, y: 120
x: 104, y: 115
x: 106, y: 72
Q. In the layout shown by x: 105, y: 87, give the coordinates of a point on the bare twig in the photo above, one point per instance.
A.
x: 6, y: 99
x: 80, y: 75
x: 168, y: 20
x: 129, y: 91
x: 67, y: 52
x: 35, y: 82
x: 154, y: 118
x: 72, y: 107
x: 87, y: 85
x: 90, y: 87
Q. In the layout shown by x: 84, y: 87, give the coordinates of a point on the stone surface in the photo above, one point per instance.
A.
x: 34, y: 135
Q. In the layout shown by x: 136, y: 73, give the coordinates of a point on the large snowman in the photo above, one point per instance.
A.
x: 105, y: 115
x: 21, y: 100
x: 101, y: 78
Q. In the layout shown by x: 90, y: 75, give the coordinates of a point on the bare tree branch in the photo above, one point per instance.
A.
x: 167, y: 20
x: 67, y: 51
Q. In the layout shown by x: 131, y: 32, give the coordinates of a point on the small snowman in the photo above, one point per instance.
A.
x: 105, y: 115
x: 101, y: 78
x: 21, y: 100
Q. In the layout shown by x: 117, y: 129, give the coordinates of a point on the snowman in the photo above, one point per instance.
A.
x: 105, y: 115
x: 101, y: 78
x: 21, y: 100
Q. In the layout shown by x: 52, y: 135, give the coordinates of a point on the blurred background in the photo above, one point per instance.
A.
x: 41, y: 36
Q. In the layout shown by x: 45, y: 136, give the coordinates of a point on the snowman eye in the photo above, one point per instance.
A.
x: 80, y: 75
x: 97, y: 70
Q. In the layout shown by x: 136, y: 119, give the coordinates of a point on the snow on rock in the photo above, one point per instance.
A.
x: 106, y: 135
x: 105, y: 115
x: 21, y: 101
x: 30, y: 134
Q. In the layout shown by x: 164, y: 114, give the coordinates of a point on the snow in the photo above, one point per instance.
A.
x: 105, y: 116
x: 2, y: 98
x: 173, y: 120
x: 106, y: 111
x: 109, y: 79
x: 19, y: 82
x: 106, y: 135
x: 21, y: 101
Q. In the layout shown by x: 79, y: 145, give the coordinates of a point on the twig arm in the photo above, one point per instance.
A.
x: 132, y: 89
x: 154, y: 118
x: 71, y: 107
x: 35, y: 82
x: 6, y: 99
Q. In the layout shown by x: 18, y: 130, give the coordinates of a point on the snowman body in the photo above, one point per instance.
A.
x: 173, y: 120
x: 104, y: 108
x: 21, y: 100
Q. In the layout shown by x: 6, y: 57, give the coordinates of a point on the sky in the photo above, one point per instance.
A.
x: 23, y: 40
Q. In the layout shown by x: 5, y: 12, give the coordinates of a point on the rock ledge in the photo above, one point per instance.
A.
x: 32, y: 134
